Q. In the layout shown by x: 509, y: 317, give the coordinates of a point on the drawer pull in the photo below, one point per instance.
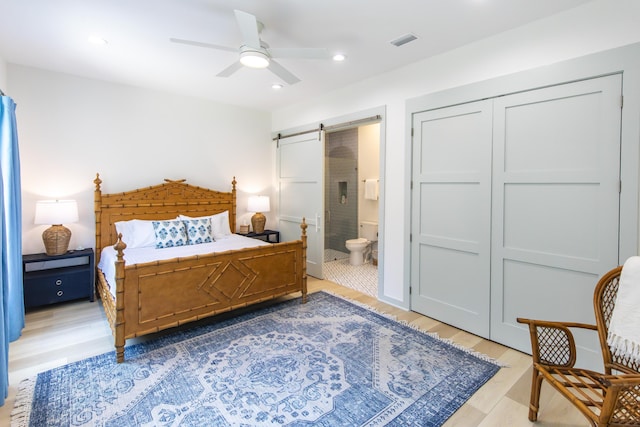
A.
x: 59, y: 282
x: 59, y: 293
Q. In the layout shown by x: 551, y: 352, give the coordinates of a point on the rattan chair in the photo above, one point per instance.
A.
x: 611, y: 398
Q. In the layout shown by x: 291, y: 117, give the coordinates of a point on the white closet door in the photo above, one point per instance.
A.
x: 556, y: 171
x: 300, y: 166
x: 451, y: 208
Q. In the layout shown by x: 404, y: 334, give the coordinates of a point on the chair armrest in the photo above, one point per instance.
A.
x: 552, y: 343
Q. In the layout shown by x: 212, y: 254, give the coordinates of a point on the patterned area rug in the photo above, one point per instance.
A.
x: 329, y: 362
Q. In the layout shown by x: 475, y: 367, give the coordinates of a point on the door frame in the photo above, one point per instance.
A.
x: 625, y: 60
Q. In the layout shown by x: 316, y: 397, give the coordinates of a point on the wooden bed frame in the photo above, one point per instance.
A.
x: 163, y: 294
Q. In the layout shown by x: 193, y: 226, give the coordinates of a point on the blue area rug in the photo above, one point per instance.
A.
x: 329, y: 362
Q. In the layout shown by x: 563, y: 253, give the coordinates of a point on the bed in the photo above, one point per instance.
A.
x: 145, y: 297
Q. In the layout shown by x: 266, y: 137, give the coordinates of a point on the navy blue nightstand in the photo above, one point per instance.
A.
x: 265, y: 235
x: 51, y: 279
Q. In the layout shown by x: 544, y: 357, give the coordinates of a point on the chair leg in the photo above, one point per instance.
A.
x: 534, y: 404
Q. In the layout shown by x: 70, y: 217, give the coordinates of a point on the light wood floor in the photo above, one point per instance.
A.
x: 64, y: 333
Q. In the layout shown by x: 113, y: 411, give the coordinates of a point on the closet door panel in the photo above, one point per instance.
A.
x: 556, y: 166
x: 536, y: 214
x: 451, y: 215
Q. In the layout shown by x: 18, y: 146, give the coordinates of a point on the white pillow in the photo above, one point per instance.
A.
x: 136, y: 233
x: 198, y: 231
x: 220, y: 227
x: 170, y: 233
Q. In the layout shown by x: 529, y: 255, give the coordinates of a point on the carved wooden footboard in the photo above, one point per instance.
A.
x: 163, y: 294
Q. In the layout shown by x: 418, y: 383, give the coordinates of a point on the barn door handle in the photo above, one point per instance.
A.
x: 317, y: 222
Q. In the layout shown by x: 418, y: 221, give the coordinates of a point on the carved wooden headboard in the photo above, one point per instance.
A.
x: 163, y: 201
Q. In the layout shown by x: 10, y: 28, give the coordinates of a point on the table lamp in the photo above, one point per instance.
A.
x: 258, y: 204
x: 55, y: 213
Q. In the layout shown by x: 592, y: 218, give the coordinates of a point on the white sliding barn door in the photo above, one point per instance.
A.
x: 556, y: 172
x: 451, y: 215
x: 300, y: 168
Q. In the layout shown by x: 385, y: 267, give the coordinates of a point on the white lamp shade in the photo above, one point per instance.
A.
x: 258, y: 204
x: 56, y: 212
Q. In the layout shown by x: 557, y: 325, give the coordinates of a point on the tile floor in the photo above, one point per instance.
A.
x: 363, y: 278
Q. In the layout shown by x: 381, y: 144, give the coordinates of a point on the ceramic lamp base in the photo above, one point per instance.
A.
x: 56, y: 239
x: 257, y: 222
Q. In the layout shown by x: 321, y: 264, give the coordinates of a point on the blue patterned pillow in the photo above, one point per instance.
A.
x: 170, y: 233
x: 198, y: 231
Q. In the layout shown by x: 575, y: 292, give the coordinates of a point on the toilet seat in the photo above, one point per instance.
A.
x: 360, y: 240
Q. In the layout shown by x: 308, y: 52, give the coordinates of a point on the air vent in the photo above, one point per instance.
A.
x: 404, y: 39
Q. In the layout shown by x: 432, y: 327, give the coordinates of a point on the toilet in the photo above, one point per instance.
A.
x: 358, y: 247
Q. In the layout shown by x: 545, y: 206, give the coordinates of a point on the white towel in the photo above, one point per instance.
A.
x: 624, y: 329
x: 371, y: 189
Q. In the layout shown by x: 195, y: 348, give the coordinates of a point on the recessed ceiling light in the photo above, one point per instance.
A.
x: 339, y: 57
x: 276, y: 86
x: 97, y: 40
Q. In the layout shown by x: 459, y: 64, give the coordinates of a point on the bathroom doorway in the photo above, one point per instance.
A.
x: 351, y: 198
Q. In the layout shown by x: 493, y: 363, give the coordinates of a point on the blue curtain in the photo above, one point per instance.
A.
x: 11, y: 299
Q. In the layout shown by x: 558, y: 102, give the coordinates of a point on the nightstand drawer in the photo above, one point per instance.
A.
x: 51, y: 288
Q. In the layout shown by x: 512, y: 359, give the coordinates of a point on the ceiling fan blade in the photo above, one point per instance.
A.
x: 283, y: 73
x: 230, y: 69
x: 201, y: 44
x: 302, y: 53
x: 249, y: 28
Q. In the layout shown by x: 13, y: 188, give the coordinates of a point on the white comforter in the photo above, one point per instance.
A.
x: 151, y: 254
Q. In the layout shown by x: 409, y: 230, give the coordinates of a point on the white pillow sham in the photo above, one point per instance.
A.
x: 220, y: 227
x: 137, y: 233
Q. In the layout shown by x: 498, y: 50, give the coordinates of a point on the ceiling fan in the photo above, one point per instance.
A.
x: 255, y: 53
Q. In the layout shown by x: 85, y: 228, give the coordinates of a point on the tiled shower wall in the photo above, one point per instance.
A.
x: 341, y: 179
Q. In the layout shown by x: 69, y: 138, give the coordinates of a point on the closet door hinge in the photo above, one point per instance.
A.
x: 409, y: 290
x: 412, y: 132
x: 620, y: 187
x: 621, y: 101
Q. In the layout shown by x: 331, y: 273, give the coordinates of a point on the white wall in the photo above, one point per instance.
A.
x: 593, y: 27
x: 368, y: 167
x: 3, y: 76
x: 70, y: 128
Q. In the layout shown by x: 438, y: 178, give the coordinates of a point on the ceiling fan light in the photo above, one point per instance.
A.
x: 254, y: 59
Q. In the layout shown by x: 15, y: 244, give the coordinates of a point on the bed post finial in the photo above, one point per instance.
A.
x: 233, y: 184
x: 97, y: 182
x: 120, y: 246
